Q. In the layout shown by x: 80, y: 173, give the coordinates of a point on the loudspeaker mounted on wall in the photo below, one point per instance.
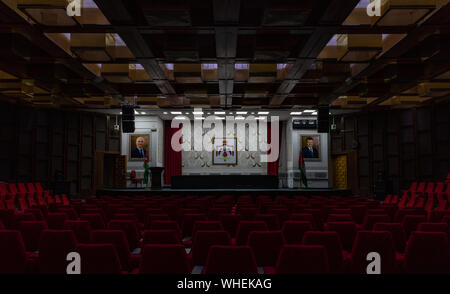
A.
x: 323, y: 119
x: 128, y: 125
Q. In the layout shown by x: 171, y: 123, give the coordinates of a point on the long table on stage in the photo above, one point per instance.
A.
x: 225, y: 182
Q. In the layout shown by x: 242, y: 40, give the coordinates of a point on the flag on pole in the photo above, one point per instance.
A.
x: 301, y: 167
x: 146, y: 171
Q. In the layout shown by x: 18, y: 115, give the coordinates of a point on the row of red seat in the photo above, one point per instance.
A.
x: 213, y: 252
x: 423, y: 195
x: 25, y: 195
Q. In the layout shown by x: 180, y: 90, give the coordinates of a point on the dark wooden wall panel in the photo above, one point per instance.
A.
x: 36, y: 143
x: 407, y: 144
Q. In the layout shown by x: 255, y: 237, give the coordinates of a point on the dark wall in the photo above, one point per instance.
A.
x: 407, y: 144
x: 37, y: 142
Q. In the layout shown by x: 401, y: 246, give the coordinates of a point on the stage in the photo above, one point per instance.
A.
x: 217, y: 192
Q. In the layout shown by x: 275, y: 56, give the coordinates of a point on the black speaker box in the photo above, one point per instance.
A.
x: 323, y: 119
x: 128, y: 126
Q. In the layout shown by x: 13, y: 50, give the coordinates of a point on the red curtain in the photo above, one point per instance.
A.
x: 172, y: 159
x: 272, y: 167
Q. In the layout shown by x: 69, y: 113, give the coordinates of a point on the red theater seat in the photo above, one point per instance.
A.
x: 230, y: 223
x: 130, y: 228
x: 245, y: 228
x: 31, y: 233
x: 371, y: 219
x: 119, y: 240
x: 270, y: 219
x: 53, y: 249
x: 266, y: 246
x: 81, y: 228
x: 230, y: 260
x: 206, y: 226
x: 202, y: 242
x: 302, y: 259
x: 347, y: 233
x: 188, y: 221
x: 161, y: 237
x: 293, y: 231
x: 55, y: 220
x: 166, y: 225
x: 373, y: 241
x: 410, y: 223
x: 332, y: 243
x: 398, y: 234
x: 99, y: 259
x: 95, y: 219
x: 164, y: 259
x: 433, y: 227
x: 427, y: 253
x: 13, y: 257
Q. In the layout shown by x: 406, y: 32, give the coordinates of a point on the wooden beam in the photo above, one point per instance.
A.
x: 335, y: 14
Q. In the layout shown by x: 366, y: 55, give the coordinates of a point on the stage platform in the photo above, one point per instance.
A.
x: 252, y: 192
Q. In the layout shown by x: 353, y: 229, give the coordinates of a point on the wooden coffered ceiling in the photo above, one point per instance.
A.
x: 229, y: 54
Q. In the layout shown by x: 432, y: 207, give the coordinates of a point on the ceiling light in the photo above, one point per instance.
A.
x: 165, y: 112
x: 143, y: 112
x: 296, y: 113
x: 199, y: 118
x: 241, y: 112
x: 135, y: 112
x: 180, y: 117
x: 219, y: 118
x: 219, y: 112
x: 314, y: 113
x: 197, y: 112
x: 175, y: 112
x: 263, y: 112
x: 309, y: 111
x: 261, y: 118
x: 239, y: 118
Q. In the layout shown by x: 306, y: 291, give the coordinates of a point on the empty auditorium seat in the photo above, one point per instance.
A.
x: 95, y: 219
x: 433, y: 227
x: 339, y: 218
x: 248, y: 213
x: 130, y: 228
x: 164, y: 259
x: 270, y: 219
x: 373, y: 241
x: 31, y: 233
x: 99, y: 259
x: 54, y: 246
x: 81, y: 228
x: 13, y: 256
x: 230, y: 223
x: 207, y: 226
x: 245, y: 228
x: 202, y: 242
x: 161, y: 237
x: 223, y: 259
x: 304, y: 217
x: 149, y: 218
x: 332, y: 243
x: 397, y: 232
x: 410, y: 223
x: 400, y: 214
x: 302, y: 259
x: 371, y: 219
x: 7, y: 218
x: 119, y: 240
x: 293, y: 231
x: 266, y: 246
x: 166, y: 225
x: 427, y: 253
x: 55, y: 220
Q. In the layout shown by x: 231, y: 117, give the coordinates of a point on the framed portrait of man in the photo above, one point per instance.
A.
x: 310, y: 146
x: 139, y: 147
x: 224, y: 151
